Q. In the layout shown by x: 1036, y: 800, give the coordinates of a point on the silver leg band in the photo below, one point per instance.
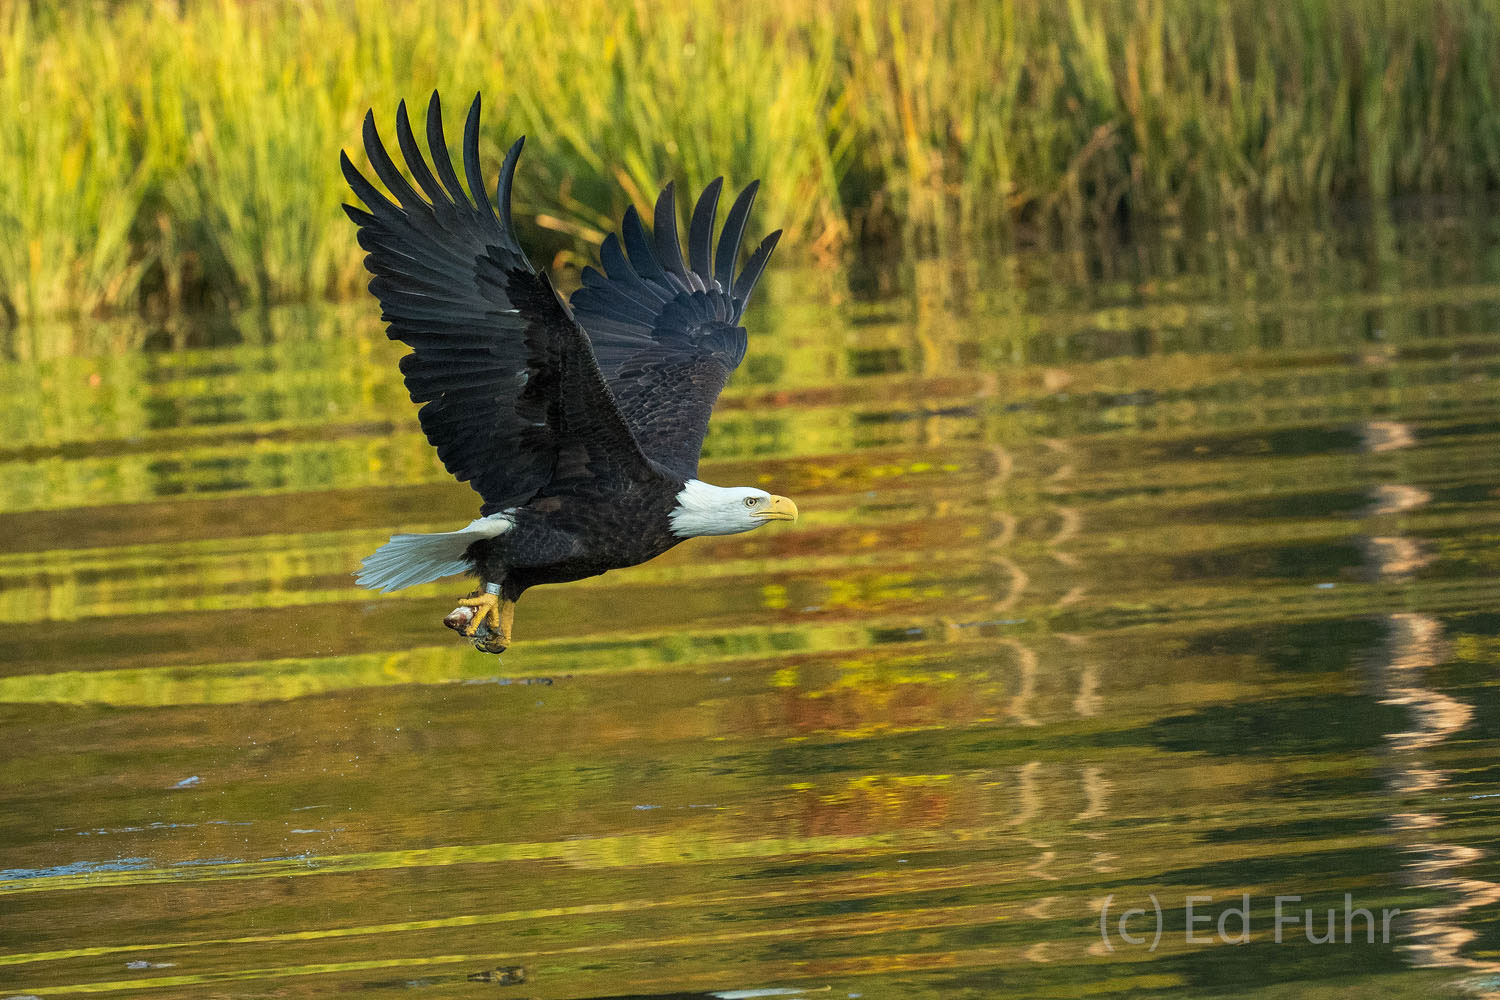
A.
x: 492, y: 588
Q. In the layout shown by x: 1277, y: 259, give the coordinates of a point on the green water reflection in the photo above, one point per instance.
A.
x: 1126, y: 575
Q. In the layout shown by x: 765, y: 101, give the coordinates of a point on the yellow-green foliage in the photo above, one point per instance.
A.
x: 157, y: 152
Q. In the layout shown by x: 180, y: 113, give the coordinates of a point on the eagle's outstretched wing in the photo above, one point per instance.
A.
x: 514, y: 397
x: 666, y: 331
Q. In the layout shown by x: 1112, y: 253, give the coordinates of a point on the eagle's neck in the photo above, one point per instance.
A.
x: 705, y: 509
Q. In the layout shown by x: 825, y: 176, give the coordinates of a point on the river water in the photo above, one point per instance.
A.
x: 1139, y: 638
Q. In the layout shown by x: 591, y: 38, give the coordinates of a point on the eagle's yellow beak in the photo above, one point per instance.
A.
x: 777, y: 509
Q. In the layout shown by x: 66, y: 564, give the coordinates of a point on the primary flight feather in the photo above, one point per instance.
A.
x: 579, y: 424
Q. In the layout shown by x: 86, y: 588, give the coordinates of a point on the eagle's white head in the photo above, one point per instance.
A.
x: 726, y: 510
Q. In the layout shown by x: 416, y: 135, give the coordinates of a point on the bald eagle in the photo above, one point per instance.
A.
x: 579, y: 424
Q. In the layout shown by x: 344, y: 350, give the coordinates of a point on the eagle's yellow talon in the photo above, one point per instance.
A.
x: 491, y: 610
x: 487, y: 611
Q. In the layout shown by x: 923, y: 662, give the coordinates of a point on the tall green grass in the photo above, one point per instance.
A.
x: 155, y: 155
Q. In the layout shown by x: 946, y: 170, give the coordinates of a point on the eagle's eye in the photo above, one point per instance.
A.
x: 751, y: 501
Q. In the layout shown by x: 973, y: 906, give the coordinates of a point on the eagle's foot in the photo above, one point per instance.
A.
x: 485, y: 618
x: 487, y: 612
x: 491, y: 642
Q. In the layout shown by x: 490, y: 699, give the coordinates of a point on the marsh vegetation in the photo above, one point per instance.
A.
x: 161, y: 155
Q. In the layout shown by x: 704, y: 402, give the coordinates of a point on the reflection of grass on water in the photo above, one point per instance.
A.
x: 161, y: 154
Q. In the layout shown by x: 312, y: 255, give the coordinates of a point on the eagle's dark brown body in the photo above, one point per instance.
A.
x: 561, y: 539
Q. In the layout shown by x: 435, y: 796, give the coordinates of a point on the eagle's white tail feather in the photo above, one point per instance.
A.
x: 407, y: 560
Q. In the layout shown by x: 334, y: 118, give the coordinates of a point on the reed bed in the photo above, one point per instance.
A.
x: 160, y: 155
